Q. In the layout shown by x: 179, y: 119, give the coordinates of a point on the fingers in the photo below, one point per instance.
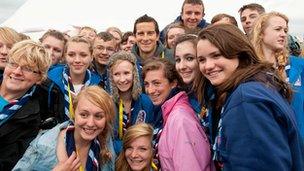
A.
x: 73, y: 161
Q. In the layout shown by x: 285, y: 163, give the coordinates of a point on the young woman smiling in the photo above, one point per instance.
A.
x: 187, y: 66
x: 137, y: 150
x: 81, y: 144
x: 132, y: 105
x: 250, y: 121
x: 68, y: 80
x: 179, y: 140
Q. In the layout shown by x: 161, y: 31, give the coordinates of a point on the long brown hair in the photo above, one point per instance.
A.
x: 232, y: 43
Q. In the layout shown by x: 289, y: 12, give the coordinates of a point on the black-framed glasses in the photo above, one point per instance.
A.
x: 24, y: 69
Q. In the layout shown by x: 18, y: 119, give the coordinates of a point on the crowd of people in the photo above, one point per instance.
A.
x: 194, y: 96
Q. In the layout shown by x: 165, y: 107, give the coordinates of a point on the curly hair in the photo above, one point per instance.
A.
x: 115, y: 59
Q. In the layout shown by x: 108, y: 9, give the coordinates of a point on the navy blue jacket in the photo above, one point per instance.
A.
x: 54, y: 84
x: 143, y: 103
x: 162, y: 35
x: 259, y: 131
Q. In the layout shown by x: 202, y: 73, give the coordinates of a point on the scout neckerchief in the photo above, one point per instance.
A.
x: 123, y: 120
x: 10, y: 109
x: 68, y: 87
x: 93, y: 154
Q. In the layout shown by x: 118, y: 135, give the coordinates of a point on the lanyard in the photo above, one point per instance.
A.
x: 120, y: 128
x: 71, y: 108
x: 80, y: 167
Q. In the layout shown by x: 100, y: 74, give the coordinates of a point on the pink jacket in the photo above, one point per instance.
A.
x: 183, y: 145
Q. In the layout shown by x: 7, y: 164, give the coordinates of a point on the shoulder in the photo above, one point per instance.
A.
x: 53, y: 73
x: 95, y: 78
x: 50, y: 137
x: 254, y: 91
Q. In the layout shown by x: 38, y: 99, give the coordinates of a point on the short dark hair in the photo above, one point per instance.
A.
x: 193, y: 2
x: 148, y: 19
x: 54, y: 33
x: 253, y: 6
x: 164, y: 64
x: 105, y: 36
x: 126, y: 35
x: 218, y: 17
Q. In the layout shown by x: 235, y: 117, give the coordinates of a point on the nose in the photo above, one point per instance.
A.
x: 209, y: 64
x: 283, y: 34
x: 18, y: 70
x: 192, y: 16
x: 4, y: 50
x: 134, y: 153
x: 182, y: 65
x: 77, y: 58
x: 150, y: 90
x: 90, y: 121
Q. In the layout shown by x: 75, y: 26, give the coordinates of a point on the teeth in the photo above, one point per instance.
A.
x: 89, y: 131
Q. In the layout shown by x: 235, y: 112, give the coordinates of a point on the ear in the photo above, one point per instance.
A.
x: 39, y: 80
x: 173, y: 84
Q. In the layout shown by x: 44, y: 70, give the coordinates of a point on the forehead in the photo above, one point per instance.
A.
x: 141, y: 141
x: 81, y: 46
x: 53, y: 40
x: 205, y: 47
x: 187, y: 46
x: 100, y: 42
x: 176, y: 30
x: 153, y: 75
x: 277, y: 21
x: 192, y: 7
x: 248, y: 12
x: 122, y: 65
x: 145, y: 26
x: 88, y: 31
x: 85, y: 103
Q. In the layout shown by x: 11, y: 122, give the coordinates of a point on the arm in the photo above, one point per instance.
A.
x: 254, y: 139
x: 191, y: 149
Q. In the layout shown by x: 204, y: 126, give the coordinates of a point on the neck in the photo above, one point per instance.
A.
x: 126, y: 96
x: 147, y: 55
x: 77, y: 78
x: 269, y: 55
x: 80, y: 143
x: 11, y: 95
x: 100, y: 68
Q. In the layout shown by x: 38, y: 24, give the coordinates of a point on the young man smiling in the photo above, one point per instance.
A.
x: 147, y: 45
x: 192, y: 17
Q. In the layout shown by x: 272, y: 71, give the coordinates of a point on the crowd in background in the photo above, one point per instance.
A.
x: 192, y: 96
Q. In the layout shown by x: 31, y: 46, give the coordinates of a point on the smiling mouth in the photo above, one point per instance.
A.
x: 89, y: 131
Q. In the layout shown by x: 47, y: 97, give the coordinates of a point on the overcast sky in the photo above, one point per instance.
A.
x: 100, y: 14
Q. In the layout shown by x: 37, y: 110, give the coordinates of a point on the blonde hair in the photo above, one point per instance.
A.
x: 34, y: 54
x: 133, y: 132
x: 78, y: 39
x: 9, y: 36
x: 115, y: 59
x: 100, y: 98
x: 88, y: 28
x: 256, y: 38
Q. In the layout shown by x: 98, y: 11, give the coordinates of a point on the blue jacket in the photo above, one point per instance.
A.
x: 162, y: 35
x: 143, y: 103
x: 295, y: 75
x: 55, y: 88
x: 259, y: 131
x: 56, y: 76
x: 41, y: 154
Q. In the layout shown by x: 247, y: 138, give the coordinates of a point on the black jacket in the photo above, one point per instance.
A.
x: 19, y: 131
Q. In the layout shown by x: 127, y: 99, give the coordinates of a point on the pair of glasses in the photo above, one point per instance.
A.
x: 102, y: 48
x: 24, y: 69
